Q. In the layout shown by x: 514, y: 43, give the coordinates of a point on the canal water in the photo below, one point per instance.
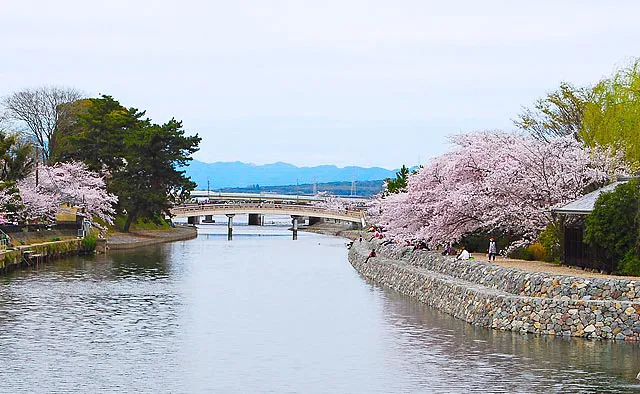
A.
x: 265, y: 314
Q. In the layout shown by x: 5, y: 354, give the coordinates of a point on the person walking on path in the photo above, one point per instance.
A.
x: 492, y: 251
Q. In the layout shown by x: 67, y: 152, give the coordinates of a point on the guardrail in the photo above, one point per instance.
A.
x: 5, y: 240
x: 257, y: 207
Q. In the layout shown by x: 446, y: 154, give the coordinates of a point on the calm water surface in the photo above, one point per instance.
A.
x: 265, y: 314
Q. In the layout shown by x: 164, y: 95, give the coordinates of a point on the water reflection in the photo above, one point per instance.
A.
x: 478, y: 359
x: 265, y: 314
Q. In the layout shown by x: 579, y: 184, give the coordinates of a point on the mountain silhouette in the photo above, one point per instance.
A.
x: 239, y: 174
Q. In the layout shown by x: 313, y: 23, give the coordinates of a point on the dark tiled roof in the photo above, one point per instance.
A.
x: 584, y: 205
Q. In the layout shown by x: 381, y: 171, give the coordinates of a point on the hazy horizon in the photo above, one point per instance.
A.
x: 283, y: 162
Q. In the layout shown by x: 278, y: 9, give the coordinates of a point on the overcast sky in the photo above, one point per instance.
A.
x: 345, y: 82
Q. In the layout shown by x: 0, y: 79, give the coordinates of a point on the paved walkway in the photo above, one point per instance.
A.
x: 541, y: 266
x: 525, y: 265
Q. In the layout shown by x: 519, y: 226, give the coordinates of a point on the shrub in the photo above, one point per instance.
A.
x: 549, y: 239
x: 630, y: 264
x: 89, y: 244
x: 612, y: 226
x: 538, y: 252
x: 55, y: 239
x: 521, y: 254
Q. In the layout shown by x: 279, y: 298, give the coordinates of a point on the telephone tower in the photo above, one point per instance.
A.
x: 353, y: 182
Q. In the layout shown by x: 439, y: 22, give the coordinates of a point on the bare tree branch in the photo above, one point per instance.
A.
x: 40, y: 109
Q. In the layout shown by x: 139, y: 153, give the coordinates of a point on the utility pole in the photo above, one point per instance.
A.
x: 37, y: 155
x: 353, y: 182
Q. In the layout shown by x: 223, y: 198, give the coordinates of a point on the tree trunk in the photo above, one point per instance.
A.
x: 130, y: 218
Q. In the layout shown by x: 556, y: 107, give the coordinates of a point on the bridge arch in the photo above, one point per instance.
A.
x: 190, y: 210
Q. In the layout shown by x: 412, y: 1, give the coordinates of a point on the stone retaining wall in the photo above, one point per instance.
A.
x: 16, y: 257
x: 506, y: 298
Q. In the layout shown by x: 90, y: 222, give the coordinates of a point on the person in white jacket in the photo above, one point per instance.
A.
x: 464, y: 255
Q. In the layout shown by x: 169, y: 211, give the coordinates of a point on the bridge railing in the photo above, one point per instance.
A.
x: 195, y: 208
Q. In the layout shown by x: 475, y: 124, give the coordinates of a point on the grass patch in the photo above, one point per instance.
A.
x: 142, y: 224
x: 88, y: 244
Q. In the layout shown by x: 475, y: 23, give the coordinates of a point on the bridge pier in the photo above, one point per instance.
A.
x: 256, y: 211
x: 256, y: 219
x: 294, y: 227
x: 193, y: 220
x: 230, y: 226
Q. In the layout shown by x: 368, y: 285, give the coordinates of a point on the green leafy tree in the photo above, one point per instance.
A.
x: 612, y: 227
x: 150, y: 183
x: 10, y: 201
x: 612, y: 117
x: 399, y: 184
x: 17, y: 158
x: 93, y: 131
x: 142, y: 158
x: 559, y: 113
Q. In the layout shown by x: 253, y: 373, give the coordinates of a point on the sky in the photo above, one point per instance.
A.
x: 343, y: 82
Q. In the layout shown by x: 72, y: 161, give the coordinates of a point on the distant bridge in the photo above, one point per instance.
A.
x: 252, y: 208
x: 205, y: 195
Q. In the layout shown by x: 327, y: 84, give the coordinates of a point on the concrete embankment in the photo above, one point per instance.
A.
x: 122, y: 241
x: 28, y: 255
x: 504, y: 298
x: 37, y: 253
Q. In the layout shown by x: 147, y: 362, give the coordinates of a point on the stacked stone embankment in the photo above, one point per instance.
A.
x: 28, y: 255
x: 506, y: 298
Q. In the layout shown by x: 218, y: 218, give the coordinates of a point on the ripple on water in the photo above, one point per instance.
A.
x: 265, y: 314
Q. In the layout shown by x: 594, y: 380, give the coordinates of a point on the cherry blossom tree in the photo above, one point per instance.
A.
x: 334, y: 203
x: 495, y: 180
x: 61, y: 183
x: 10, y: 202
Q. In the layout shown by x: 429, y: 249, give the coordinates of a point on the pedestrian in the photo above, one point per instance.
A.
x: 372, y: 254
x: 464, y: 255
x: 360, y: 238
x: 492, y: 251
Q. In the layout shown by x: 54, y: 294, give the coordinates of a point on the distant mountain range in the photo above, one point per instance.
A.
x: 239, y: 174
x: 340, y: 188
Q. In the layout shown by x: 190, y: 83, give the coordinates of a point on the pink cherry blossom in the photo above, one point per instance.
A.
x: 63, y: 183
x: 494, y: 180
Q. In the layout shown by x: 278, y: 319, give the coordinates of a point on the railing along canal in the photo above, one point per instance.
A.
x: 258, y: 207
